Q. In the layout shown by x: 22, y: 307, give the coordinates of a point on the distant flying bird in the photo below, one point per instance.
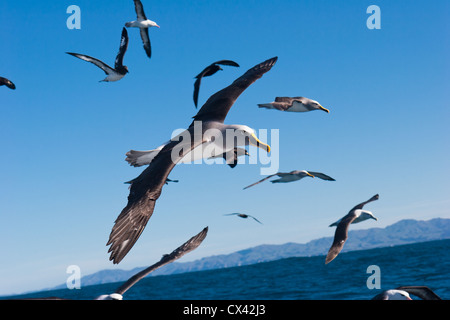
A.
x: 169, y: 180
x: 231, y: 157
x: 209, y: 71
x: 295, y: 104
x: 243, y: 215
x: 143, y: 24
x: 8, y: 83
x: 403, y: 293
x: 355, y: 215
x: 119, y: 70
x: 146, y: 189
x: 293, y: 176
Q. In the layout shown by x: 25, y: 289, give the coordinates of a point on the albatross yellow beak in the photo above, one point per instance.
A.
x: 324, y: 109
x: 256, y: 142
x: 309, y: 174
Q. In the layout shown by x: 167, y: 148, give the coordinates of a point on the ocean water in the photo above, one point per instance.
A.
x: 302, y: 278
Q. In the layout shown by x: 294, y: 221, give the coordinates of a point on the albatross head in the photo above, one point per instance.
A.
x: 364, y: 215
x: 152, y: 24
x: 248, y: 133
x: 395, y: 294
x: 313, y: 104
x: 303, y: 173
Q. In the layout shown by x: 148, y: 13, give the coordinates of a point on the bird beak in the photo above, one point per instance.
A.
x: 309, y: 174
x: 374, y: 218
x: 324, y: 109
x: 157, y: 26
x: 256, y: 142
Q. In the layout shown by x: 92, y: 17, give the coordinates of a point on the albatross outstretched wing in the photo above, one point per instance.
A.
x: 217, y: 106
x: 422, y: 292
x: 340, y: 236
x: 321, y: 175
x: 122, y: 49
x: 186, y: 247
x: 262, y: 180
x: 144, y: 191
x: 146, y: 41
x: 139, y: 8
x: 107, y: 69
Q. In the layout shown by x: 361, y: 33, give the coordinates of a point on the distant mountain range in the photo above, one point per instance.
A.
x: 402, y: 232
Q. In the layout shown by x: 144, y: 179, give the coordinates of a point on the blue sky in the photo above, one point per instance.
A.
x: 64, y: 135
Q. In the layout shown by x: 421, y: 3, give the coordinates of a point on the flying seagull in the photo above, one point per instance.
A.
x: 143, y: 24
x: 190, y: 245
x: 209, y: 71
x: 147, y: 187
x: 403, y: 293
x: 294, y: 104
x: 293, y: 176
x: 8, y: 83
x: 243, y: 215
x: 119, y: 70
x: 340, y: 236
x: 138, y: 158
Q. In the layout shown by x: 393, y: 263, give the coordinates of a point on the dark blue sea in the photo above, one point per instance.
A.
x: 303, y: 278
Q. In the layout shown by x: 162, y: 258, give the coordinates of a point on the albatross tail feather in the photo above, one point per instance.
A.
x: 140, y: 158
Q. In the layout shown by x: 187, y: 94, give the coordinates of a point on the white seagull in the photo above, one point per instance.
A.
x: 143, y: 24
x: 119, y: 70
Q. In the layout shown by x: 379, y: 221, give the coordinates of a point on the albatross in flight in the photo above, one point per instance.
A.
x: 7, y: 82
x: 293, y: 176
x: 403, y: 293
x: 242, y: 215
x: 209, y: 71
x: 294, y: 104
x: 340, y: 236
x: 119, y: 70
x: 147, y: 187
x: 143, y: 24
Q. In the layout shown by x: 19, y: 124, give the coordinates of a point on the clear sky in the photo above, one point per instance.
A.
x: 64, y: 134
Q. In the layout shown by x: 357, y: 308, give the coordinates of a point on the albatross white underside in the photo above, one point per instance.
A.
x: 216, y: 136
